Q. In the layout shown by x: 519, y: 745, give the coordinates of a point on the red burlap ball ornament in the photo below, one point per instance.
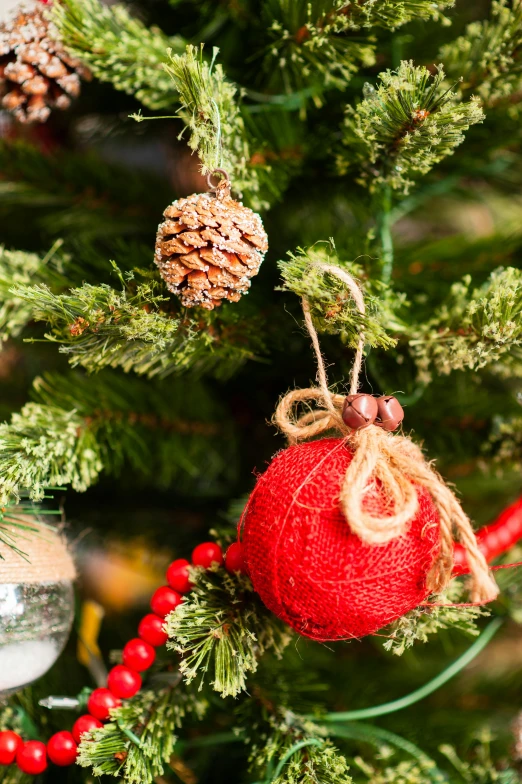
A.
x: 307, y: 565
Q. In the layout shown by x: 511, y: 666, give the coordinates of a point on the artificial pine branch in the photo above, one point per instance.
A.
x: 332, y: 307
x: 311, y: 49
x: 392, y: 14
x: 138, y: 742
x: 292, y: 750
x: 403, y: 772
x: 487, y: 56
x: 79, y: 426
x: 21, y: 268
x: 44, y: 446
x: 119, y: 49
x: 221, y: 630
x: 418, y: 624
x: 76, y: 195
x: 473, y: 328
x: 308, y: 51
x: 404, y: 127
x: 210, y: 111
x: 483, y: 769
x: 138, y: 329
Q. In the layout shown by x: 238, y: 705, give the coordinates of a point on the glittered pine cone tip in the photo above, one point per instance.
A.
x: 36, y: 73
x: 209, y: 247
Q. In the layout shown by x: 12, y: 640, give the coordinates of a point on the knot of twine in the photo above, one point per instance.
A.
x: 390, y: 462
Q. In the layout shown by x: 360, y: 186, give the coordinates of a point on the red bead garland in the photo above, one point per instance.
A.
x: 178, y: 575
x: 206, y: 554
x: 101, y: 702
x: 10, y: 742
x: 164, y: 601
x: 84, y: 724
x: 31, y: 758
x: 62, y: 749
x: 138, y: 655
x: 124, y: 682
x: 151, y: 630
x: 235, y: 560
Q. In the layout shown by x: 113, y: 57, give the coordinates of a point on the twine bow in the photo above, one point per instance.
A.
x: 391, y: 462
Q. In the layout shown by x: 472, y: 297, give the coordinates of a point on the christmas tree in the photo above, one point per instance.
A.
x: 337, y: 189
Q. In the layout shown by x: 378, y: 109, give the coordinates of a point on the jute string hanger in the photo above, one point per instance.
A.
x: 391, y: 461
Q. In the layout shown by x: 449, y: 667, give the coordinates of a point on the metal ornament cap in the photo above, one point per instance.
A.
x: 390, y: 413
x: 359, y: 411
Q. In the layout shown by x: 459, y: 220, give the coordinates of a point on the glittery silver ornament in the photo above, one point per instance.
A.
x: 36, y: 607
x: 35, y: 621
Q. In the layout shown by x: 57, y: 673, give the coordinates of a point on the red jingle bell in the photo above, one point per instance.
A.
x: 359, y: 411
x: 390, y: 413
x: 307, y: 565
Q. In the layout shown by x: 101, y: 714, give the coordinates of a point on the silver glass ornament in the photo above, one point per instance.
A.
x: 35, y: 622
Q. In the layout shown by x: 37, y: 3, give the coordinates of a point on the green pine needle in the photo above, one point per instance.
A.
x: 332, y: 307
x: 152, y: 718
x: 210, y: 111
x: 221, y: 630
x: 292, y: 750
x: 139, y: 329
x: 118, y: 49
x: 488, y: 56
x: 418, y: 624
x: 79, y: 426
x: 18, y: 268
x: 404, y: 127
x: 474, y: 327
x: 43, y: 446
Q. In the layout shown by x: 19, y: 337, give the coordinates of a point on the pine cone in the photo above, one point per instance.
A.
x: 36, y: 73
x: 209, y: 247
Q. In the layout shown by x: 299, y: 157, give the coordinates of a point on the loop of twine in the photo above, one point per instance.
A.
x: 380, y: 459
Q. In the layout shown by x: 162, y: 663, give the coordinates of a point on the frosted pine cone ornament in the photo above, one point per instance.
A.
x: 209, y: 247
x: 36, y: 73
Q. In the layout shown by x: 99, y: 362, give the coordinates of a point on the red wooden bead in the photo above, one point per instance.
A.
x: 101, y: 702
x: 138, y: 655
x: 124, y: 682
x: 207, y: 553
x: 62, y: 749
x: 178, y: 575
x: 31, y: 758
x: 84, y: 724
x: 10, y: 742
x: 164, y: 600
x: 235, y: 559
x: 151, y: 630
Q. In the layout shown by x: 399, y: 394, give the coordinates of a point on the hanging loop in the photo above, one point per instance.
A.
x: 222, y: 187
